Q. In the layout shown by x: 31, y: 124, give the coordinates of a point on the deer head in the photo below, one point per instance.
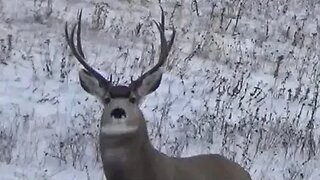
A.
x: 121, y: 112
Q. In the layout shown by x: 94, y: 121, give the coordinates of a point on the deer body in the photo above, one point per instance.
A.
x: 127, y: 159
x: 126, y: 151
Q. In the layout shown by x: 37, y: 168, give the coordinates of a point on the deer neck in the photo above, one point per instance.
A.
x: 127, y: 156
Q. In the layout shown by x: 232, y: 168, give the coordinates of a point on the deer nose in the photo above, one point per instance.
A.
x: 118, y: 113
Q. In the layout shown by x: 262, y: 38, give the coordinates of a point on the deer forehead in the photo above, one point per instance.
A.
x: 119, y: 92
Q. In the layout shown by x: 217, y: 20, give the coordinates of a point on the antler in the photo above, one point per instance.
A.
x: 78, y: 53
x: 164, y: 52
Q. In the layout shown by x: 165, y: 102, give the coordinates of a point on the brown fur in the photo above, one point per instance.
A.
x: 136, y: 159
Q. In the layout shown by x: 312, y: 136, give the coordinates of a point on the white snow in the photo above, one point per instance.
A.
x: 224, y: 89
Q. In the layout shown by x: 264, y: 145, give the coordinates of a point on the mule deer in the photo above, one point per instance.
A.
x: 125, y: 148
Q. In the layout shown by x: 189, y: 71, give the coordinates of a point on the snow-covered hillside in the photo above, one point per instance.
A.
x: 243, y: 81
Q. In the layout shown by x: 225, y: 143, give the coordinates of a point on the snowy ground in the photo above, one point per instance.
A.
x: 243, y: 81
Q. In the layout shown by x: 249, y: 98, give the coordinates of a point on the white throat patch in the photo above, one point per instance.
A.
x: 118, y: 129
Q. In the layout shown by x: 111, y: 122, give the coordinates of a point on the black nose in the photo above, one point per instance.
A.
x: 118, y: 113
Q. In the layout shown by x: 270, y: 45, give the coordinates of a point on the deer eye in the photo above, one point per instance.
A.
x: 132, y: 100
x: 107, y: 100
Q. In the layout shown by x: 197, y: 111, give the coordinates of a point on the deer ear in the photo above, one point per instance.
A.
x: 90, y: 84
x: 150, y: 83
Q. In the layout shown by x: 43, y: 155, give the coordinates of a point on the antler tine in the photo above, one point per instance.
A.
x: 165, y: 48
x: 79, y: 45
x: 78, y: 52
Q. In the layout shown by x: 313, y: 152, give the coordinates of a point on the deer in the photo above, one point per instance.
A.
x: 124, y: 145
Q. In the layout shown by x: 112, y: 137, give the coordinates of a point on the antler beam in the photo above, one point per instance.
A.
x: 165, y: 48
x: 78, y: 52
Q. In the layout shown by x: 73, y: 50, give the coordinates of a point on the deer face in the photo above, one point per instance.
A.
x: 121, y: 114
